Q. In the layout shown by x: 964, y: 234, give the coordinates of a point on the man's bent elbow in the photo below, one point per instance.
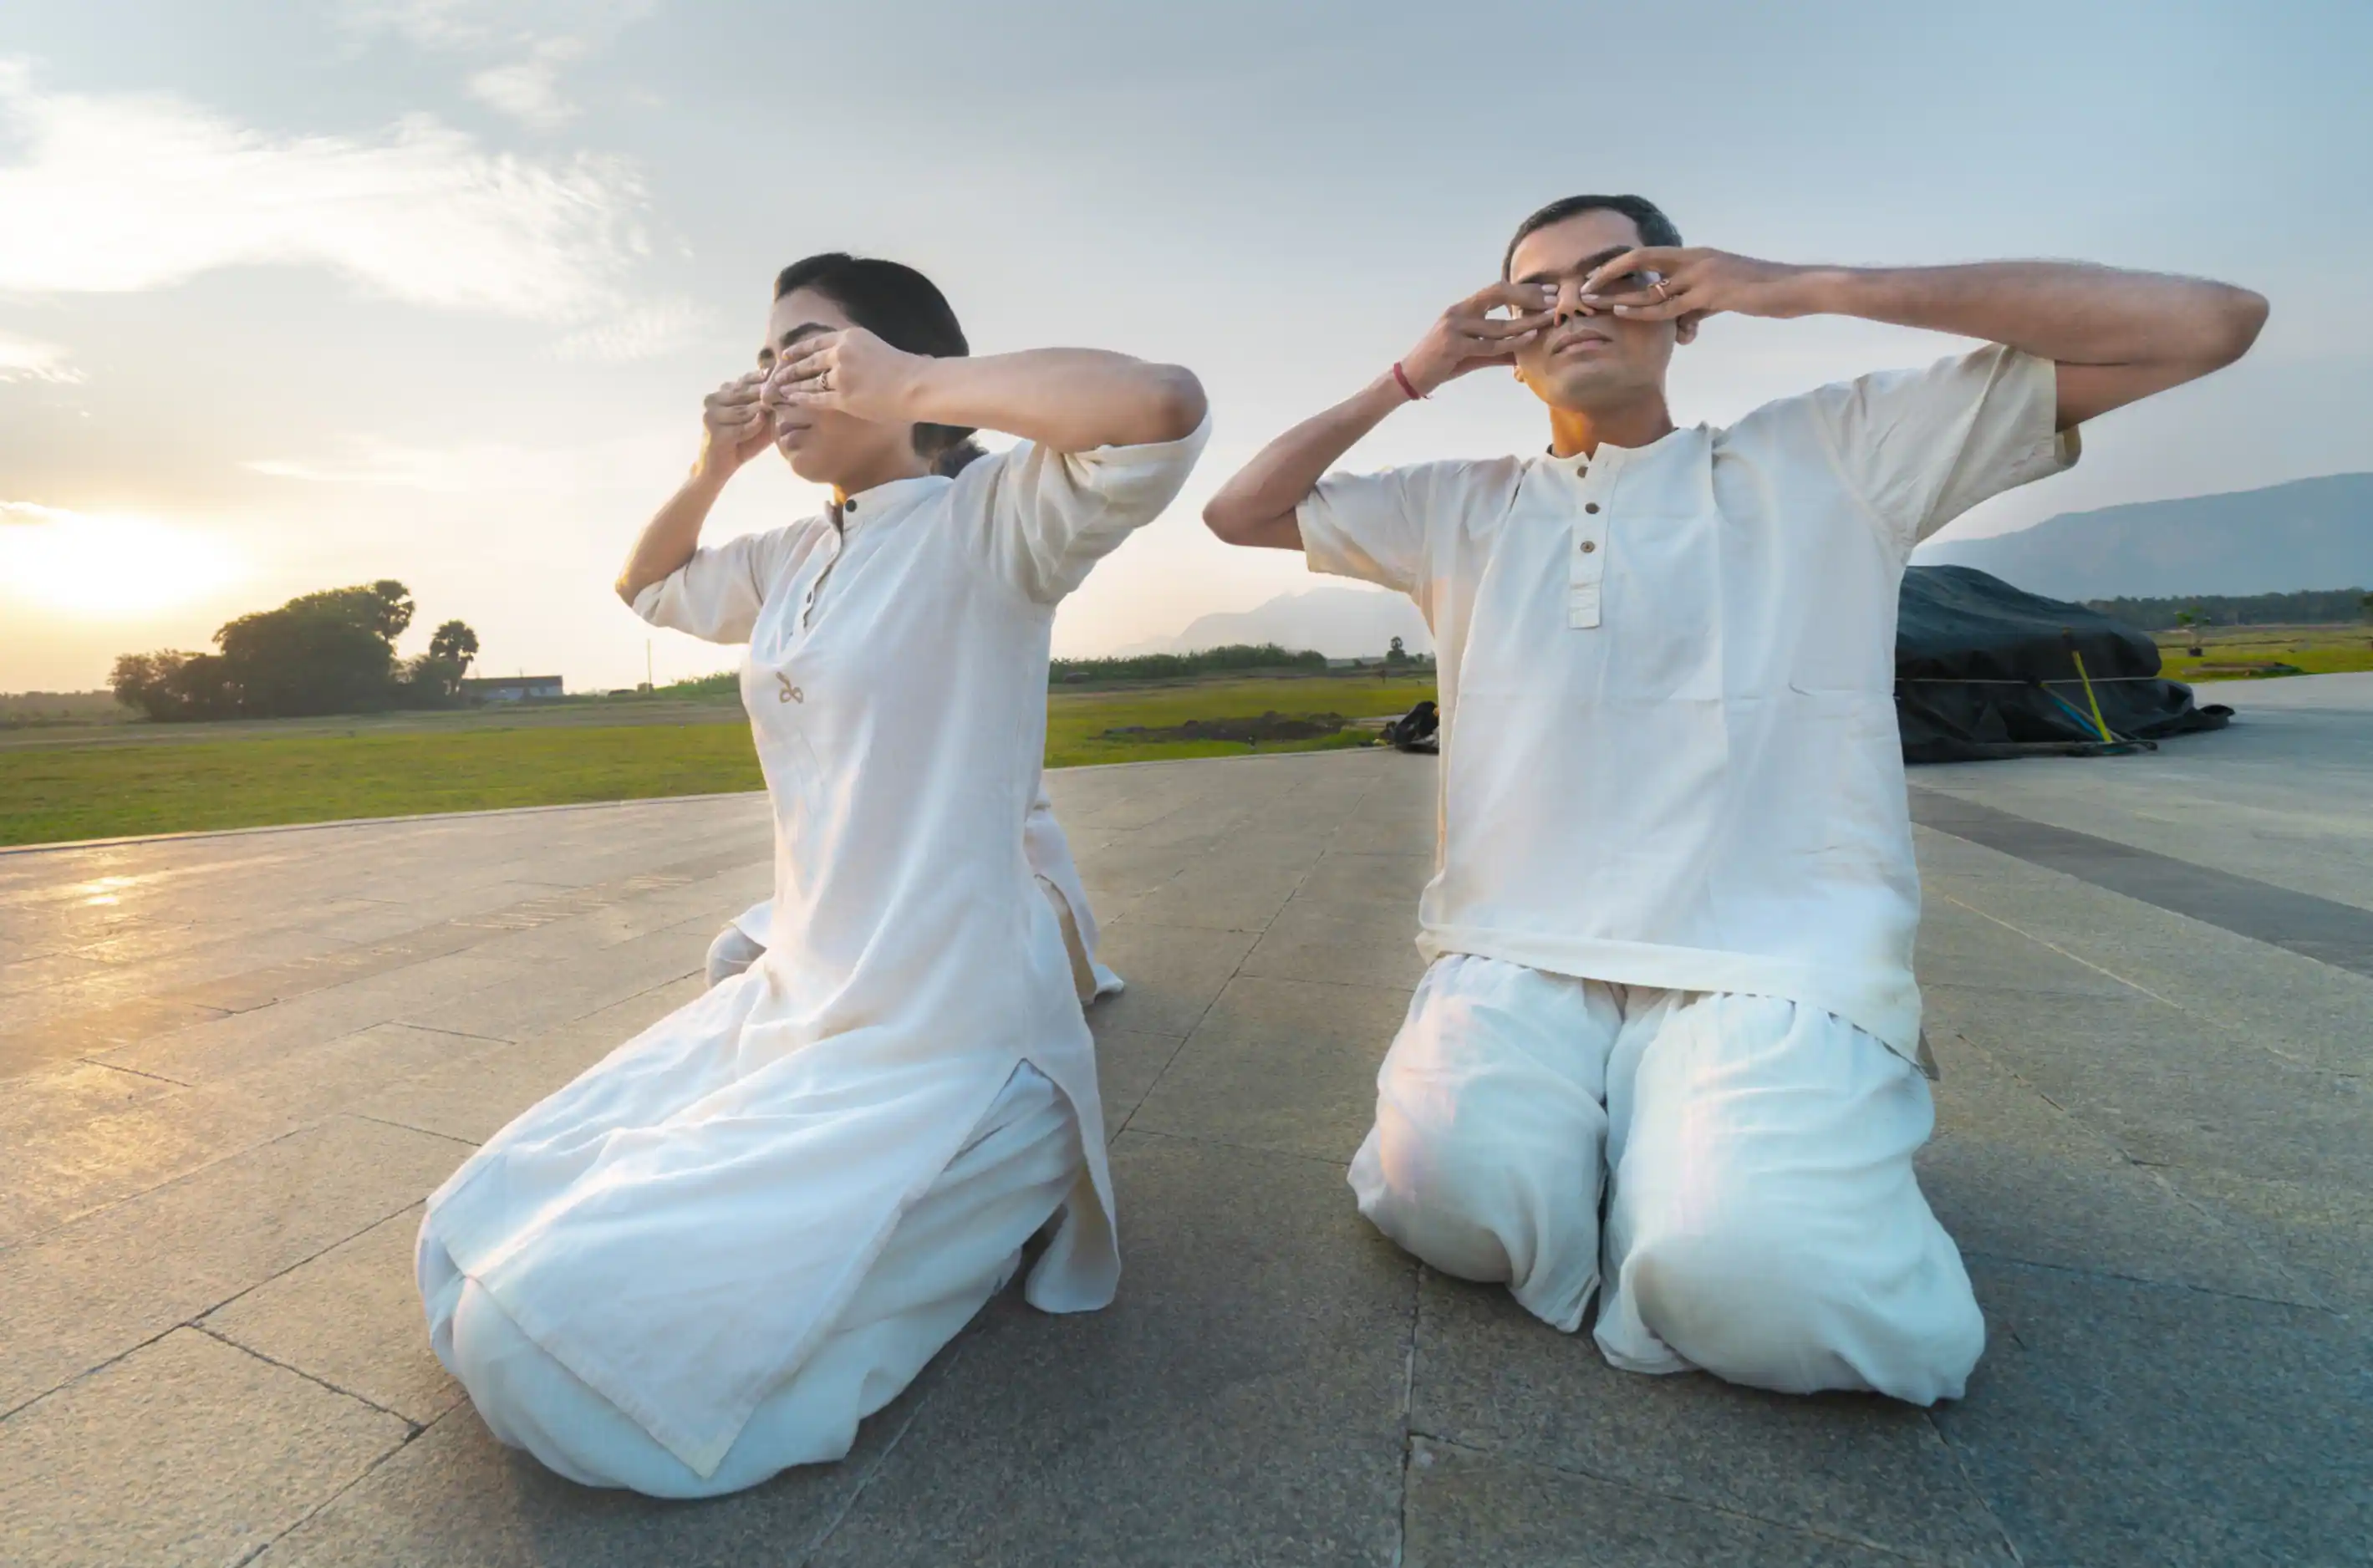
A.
x: 1226, y: 523
x: 1235, y: 525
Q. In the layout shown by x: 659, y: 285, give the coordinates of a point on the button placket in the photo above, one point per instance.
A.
x: 815, y: 589
x: 1587, y: 563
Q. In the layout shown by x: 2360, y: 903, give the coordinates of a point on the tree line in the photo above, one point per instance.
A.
x: 327, y: 652
x: 2318, y: 607
x: 1210, y: 661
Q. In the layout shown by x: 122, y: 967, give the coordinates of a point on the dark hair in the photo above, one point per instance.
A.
x: 904, y: 310
x: 1654, y: 228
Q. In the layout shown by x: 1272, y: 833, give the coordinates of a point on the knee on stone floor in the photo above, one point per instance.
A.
x: 1746, y: 1297
x: 1755, y: 1299
x: 1445, y: 1192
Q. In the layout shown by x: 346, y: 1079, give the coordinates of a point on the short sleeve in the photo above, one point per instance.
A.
x: 716, y: 595
x: 1391, y: 527
x: 1050, y: 517
x: 1363, y: 525
x: 1923, y: 447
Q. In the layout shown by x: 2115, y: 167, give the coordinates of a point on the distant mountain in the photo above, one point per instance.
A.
x: 1341, y: 623
x: 2308, y: 534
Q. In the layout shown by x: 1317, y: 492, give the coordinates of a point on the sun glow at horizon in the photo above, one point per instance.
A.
x: 107, y: 567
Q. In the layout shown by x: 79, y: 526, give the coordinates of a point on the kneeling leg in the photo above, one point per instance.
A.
x: 1765, y: 1222
x: 1487, y: 1145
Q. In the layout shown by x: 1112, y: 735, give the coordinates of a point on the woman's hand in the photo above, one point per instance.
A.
x: 852, y: 371
x: 1467, y: 336
x: 735, y: 425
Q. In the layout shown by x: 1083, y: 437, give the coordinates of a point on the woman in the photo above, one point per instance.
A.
x: 746, y: 938
x: 748, y: 1228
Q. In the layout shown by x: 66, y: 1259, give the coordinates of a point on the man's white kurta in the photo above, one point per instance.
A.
x: 681, y: 1225
x: 1668, y: 736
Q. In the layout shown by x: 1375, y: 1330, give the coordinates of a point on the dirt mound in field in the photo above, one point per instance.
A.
x: 1270, y: 726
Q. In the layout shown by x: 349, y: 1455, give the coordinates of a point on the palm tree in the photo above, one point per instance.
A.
x: 456, y: 641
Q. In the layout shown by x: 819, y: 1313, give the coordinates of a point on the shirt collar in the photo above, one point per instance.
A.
x: 1613, y: 456
x: 868, y: 508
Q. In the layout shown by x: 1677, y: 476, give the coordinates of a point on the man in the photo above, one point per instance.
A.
x: 1672, y: 918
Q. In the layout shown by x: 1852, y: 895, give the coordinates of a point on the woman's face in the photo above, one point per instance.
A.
x: 825, y: 445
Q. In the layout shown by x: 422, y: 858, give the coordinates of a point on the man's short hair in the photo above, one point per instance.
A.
x: 1654, y: 228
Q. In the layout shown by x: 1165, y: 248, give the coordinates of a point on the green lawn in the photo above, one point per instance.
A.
x: 311, y: 771
x: 1076, y: 721
x: 2313, y: 650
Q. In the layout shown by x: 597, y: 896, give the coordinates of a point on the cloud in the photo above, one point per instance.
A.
x: 24, y: 360
x: 551, y: 33
x: 459, y: 25
x: 120, y: 192
x: 641, y: 332
x: 480, y: 468
x: 529, y: 92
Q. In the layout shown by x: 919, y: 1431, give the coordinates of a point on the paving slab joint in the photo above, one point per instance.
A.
x: 1408, y: 1410
x: 831, y: 1527
x: 1969, y: 1483
x: 2151, y: 1283
x: 412, y: 1429
x: 412, y: 1433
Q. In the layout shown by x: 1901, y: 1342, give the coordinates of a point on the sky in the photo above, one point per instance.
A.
x: 294, y: 294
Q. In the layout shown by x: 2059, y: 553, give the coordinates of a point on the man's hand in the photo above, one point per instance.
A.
x: 2114, y: 337
x: 734, y: 424
x: 852, y: 371
x: 1672, y: 282
x: 1467, y: 336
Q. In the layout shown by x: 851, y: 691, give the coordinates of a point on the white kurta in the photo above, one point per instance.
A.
x: 682, y: 1227
x: 1049, y: 854
x: 1668, y: 739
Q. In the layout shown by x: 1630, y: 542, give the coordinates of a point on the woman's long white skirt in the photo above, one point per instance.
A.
x: 953, y: 1250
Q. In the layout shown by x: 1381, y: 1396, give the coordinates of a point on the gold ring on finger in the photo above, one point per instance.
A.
x: 1661, y: 293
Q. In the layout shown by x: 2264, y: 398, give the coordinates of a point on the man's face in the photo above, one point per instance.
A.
x: 1589, y: 361
x: 822, y: 445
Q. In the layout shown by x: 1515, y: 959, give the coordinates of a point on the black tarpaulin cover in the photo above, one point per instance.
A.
x: 1985, y: 669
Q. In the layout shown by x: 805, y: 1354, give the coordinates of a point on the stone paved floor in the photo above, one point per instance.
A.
x: 230, y: 1067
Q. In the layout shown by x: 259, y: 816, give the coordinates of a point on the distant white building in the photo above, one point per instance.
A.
x: 513, y: 688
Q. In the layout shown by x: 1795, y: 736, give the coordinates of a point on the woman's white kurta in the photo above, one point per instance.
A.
x: 1050, y: 857
x: 682, y: 1225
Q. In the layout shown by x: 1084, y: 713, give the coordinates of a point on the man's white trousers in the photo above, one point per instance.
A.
x: 1761, y: 1217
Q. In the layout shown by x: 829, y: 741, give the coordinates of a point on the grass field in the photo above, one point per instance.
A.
x: 2314, y: 650
x: 175, y: 779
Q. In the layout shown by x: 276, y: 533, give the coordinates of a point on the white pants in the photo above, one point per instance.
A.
x: 952, y: 1250
x: 1762, y: 1220
x: 733, y: 950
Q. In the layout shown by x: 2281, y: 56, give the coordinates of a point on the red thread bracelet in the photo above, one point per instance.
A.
x: 1402, y: 377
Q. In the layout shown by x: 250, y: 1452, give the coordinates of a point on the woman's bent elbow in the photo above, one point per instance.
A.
x: 2245, y: 317
x: 1179, y: 401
